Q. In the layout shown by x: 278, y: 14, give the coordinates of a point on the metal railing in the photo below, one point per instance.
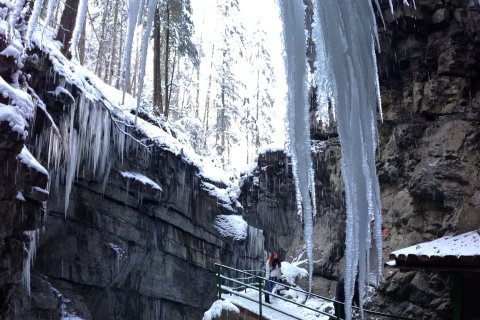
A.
x: 256, y: 281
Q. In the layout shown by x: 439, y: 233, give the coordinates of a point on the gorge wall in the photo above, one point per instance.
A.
x: 428, y: 159
x: 137, y: 240
x: 428, y: 162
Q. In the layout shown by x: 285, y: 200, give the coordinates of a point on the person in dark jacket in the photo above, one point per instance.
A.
x: 340, y: 298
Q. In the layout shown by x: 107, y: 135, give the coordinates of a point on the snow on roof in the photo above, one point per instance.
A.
x: 27, y: 159
x: 141, y: 178
x: 217, y: 308
x: 466, y: 244
x: 231, y: 226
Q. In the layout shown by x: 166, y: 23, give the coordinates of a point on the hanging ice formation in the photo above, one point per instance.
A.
x: 293, y: 13
x: 31, y: 252
x: 347, y: 73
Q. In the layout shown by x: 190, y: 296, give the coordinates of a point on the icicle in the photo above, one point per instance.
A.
x: 143, y: 61
x: 77, y: 31
x: 31, y: 252
x: 32, y: 23
x: 133, y: 9
x: 293, y: 13
x: 344, y: 37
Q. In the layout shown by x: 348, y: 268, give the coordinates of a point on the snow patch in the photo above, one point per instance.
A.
x: 20, y: 196
x: 27, y: 159
x: 226, y: 196
x: 291, y: 270
x: 217, y: 307
x: 18, y: 98
x: 15, y: 120
x: 141, y: 178
x: 232, y: 226
x: 11, y: 51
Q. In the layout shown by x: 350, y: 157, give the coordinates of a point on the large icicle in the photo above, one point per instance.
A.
x: 77, y: 31
x: 293, y: 13
x: 143, y: 57
x: 133, y: 9
x: 344, y: 35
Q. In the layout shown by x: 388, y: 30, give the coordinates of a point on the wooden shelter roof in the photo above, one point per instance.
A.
x: 453, y: 253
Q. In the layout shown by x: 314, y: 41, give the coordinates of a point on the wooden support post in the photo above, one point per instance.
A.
x: 458, y: 296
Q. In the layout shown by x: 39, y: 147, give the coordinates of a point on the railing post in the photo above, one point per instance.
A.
x: 260, y: 297
x: 219, y: 281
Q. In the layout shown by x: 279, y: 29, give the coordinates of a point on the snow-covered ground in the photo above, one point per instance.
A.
x: 278, y: 309
x: 243, y: 300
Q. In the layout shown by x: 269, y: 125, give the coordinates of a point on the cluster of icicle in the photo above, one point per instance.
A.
x: 82, y: 145
x: 346, y: 74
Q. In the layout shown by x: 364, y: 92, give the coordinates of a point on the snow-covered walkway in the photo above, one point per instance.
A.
x: 244, y: 299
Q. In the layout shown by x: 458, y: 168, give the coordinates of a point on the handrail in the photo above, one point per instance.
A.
x: 260, y: 289
x: 280, y: 297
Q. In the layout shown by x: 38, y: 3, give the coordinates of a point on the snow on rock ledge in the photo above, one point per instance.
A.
x: 217, y: 308
x: 231, y: 226
x: 141, y: 178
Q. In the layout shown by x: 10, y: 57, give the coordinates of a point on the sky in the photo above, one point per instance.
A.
x: 266, y: 13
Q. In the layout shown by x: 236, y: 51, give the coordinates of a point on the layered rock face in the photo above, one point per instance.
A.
x: 428, y: 162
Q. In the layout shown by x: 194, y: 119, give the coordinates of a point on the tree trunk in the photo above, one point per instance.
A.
x: 167, y: 53
x: 67, y: 24
x: 113, y: 55
x: 170, y: 86
x: 206, y: 113
x: 81, y: 44
x: 120, y: 50
x: 197, y: 98
x: 157, y: 70
x: 101, y: 43
x: 133, y: 84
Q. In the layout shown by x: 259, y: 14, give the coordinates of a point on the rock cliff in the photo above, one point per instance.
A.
x: 127, y: 232
x: 428, y: 158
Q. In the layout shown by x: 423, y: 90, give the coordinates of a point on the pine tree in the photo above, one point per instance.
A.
x: 228, y: 101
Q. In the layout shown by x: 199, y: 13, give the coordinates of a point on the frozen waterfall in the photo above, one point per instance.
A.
x: 344, y: 33
x: 293, y: 13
